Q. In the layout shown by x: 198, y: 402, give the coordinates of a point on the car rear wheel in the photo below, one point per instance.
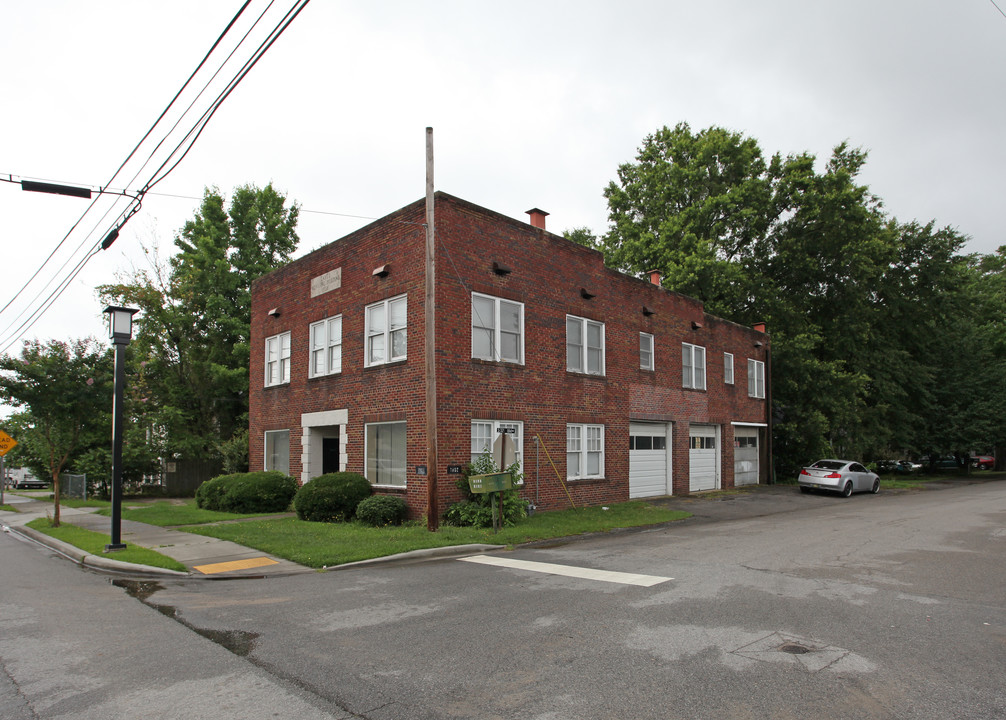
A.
x: 847, y: 490
x: 876, y: 486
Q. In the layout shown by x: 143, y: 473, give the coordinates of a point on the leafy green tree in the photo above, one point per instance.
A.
x: 877, y: 345
x: 691, y: 206
x: 64, y: 392
x: 193, y: 332
x: 583, y: 236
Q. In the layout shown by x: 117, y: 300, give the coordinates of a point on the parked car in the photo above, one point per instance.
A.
x: 937, y: 463
x: 983, y: 462
x: 30, y: 483
x: 906, y: 467
x: 886, y: 466
x: 841, y: 476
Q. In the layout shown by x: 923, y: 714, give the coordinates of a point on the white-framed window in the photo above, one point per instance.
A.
x: 326, y: 346
x: 584, y: 451
x: 756, y: 378
x: 693, y: 366
x: 645, y: 351
x: 584, y: 345
x: 728, y: 368
x: 277, y: 450
x: 386, y: 331
x: 486, y: 432
x: 277, y: 359
x: 497, y: 329
x: 385, y: 452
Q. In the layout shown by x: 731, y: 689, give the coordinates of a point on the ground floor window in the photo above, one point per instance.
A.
x: 486, y: 433
x: 385, y: 449
x: 277, y: 451
x: 584, y: 451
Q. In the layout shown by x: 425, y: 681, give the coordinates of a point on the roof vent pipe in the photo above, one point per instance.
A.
x: 537, y: 217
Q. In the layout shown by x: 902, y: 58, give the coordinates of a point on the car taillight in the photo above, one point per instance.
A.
x: 804, y: 472
x: 833, y: 476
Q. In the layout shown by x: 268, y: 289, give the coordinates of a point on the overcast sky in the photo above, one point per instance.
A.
x: 533, y: 104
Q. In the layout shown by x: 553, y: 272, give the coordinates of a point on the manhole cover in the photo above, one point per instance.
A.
x: 794, y: 648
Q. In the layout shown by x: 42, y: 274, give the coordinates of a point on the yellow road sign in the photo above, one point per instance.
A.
x: 7, y: 443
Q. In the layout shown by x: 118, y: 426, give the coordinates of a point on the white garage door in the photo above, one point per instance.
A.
x: 745, y: 456
x: 648, y: 460
x: 702, y: 458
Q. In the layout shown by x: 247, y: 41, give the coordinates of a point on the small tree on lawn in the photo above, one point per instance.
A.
x: 63, y: 391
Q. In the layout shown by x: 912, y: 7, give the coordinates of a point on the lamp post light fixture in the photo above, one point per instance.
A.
x: 120, y: 331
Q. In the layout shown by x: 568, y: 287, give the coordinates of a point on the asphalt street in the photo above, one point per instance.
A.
x: 770, y: 605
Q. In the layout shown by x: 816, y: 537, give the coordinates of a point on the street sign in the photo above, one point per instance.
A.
x: 504, y: 451
x: 7, y: 443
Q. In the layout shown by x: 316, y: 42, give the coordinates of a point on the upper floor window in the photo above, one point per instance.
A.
x: 277, y: 359
x: 645, y: 351
x: 728, y: 368
x: 756, y: 378
x: 584, y: 451
x: 584, y: 345
x: 693, y: 366
x: 497, y: 329
x: 386, y: 331
x: 326, y: 347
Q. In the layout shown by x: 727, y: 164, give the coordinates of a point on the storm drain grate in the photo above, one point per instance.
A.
x: 794, y: 648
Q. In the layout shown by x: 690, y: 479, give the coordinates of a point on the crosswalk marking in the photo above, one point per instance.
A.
x: 569, y: 570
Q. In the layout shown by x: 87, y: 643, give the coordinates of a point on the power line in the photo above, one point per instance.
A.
x: 162, y: 171
x: 131, y: 153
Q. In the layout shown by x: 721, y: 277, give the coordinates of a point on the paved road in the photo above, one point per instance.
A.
x: 888, y: 606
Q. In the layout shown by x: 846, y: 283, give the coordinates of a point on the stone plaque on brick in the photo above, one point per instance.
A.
x: 332, y: 280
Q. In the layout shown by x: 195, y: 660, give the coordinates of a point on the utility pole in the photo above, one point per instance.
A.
x: 432, y: 509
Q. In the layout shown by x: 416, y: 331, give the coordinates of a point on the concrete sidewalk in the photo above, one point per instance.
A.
x: 203, y: 556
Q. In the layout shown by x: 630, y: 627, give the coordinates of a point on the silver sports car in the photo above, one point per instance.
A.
x: 841, y: 476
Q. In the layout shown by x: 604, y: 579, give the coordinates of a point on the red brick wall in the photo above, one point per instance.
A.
x: 547, y: 274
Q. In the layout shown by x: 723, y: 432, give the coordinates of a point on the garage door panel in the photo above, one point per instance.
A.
x: 702, y: 458
x: 648, y: 476
x: 746, y: 456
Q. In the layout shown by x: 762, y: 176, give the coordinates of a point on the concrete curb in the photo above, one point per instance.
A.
x: 418, y: 556
x: 96, y: 562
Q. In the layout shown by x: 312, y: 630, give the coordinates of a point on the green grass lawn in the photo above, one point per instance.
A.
x: 165, y: 513
x: 326, y: 544
x: 94, y: 543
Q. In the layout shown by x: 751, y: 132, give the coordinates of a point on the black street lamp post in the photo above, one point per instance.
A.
x: 120, y: 330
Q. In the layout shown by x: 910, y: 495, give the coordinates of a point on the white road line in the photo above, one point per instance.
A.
x: 569, y: 571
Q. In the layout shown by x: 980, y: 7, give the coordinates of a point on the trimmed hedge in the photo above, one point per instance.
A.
x: 332, y: 497
x: 256, y: 492
x: 381, y: 510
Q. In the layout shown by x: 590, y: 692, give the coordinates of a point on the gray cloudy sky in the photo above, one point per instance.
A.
x: 532, y: 104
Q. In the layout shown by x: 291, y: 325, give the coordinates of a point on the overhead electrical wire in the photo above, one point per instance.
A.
x: 160, y: 173
x: 133, y: 151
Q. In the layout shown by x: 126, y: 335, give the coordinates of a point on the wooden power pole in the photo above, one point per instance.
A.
x: 432, y: 510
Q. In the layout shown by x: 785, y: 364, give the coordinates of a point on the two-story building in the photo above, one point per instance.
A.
x: 610, y: 383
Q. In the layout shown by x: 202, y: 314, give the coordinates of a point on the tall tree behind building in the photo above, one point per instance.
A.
x: 193, y: 332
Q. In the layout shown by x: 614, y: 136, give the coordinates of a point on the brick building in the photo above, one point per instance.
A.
x: 629, y: 389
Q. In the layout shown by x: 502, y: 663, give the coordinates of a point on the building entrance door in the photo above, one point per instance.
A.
x: 330, y: 455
